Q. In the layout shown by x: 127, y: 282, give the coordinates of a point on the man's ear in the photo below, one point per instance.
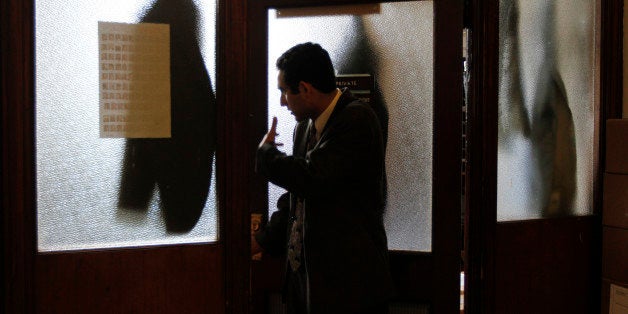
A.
x: 305, y: 88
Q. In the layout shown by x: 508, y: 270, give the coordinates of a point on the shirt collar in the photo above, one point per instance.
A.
x: 322, y: 119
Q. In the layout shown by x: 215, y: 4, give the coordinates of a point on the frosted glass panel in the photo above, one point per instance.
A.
x: 548, y: 108
x: 395, y: 46
x: 97, y: 192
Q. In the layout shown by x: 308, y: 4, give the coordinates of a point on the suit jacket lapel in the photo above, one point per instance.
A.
x: 345, y: 99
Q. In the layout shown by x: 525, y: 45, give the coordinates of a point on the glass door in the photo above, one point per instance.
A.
x: 411, y: 54
x: 534, y: 164
x: 125, y: 120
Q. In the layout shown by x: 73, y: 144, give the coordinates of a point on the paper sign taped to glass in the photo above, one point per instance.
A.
x: 134, y: 80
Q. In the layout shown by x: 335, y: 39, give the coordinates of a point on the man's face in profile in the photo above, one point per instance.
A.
x: 294, y: 101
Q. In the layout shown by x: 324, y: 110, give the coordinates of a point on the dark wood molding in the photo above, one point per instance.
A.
x: 161, y: 279
x: 611, y: 106
x: 482, y: 160
x: 18, y: 192
x: 611, y: 59
x: 266, y: 275
x: 553, y: 280
x: 447, y: 155
x: 611, y: 79
x: 235, y: 125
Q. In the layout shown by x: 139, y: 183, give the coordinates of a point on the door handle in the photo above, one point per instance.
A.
x: 256, y: 222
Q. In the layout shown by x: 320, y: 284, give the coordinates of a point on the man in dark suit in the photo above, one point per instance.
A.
x: 330, y: 223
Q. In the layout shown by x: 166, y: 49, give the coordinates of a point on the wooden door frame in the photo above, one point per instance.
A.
x: 481, y: 231
x: 18, y: 219
x: 445, y: 239
x: 238, y: 178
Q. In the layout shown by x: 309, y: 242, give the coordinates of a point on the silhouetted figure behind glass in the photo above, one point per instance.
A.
x: 359, y: 58
x: 180, y: 166
x: 545, y: 119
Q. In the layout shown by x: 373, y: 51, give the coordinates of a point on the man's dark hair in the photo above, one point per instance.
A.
x: 310, y: 63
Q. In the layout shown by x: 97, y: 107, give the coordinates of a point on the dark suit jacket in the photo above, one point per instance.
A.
x: 342, y: 183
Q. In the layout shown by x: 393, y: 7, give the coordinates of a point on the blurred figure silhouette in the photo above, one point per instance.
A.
x: 542, y: 117
x: 180, y: 166
x: 359, y: 58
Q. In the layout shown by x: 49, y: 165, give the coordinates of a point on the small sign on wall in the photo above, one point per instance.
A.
x: 360, y: 85
x: 134, y: 80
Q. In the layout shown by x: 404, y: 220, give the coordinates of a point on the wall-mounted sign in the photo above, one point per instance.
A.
x: 134, y: 77
x: 360, y: 85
